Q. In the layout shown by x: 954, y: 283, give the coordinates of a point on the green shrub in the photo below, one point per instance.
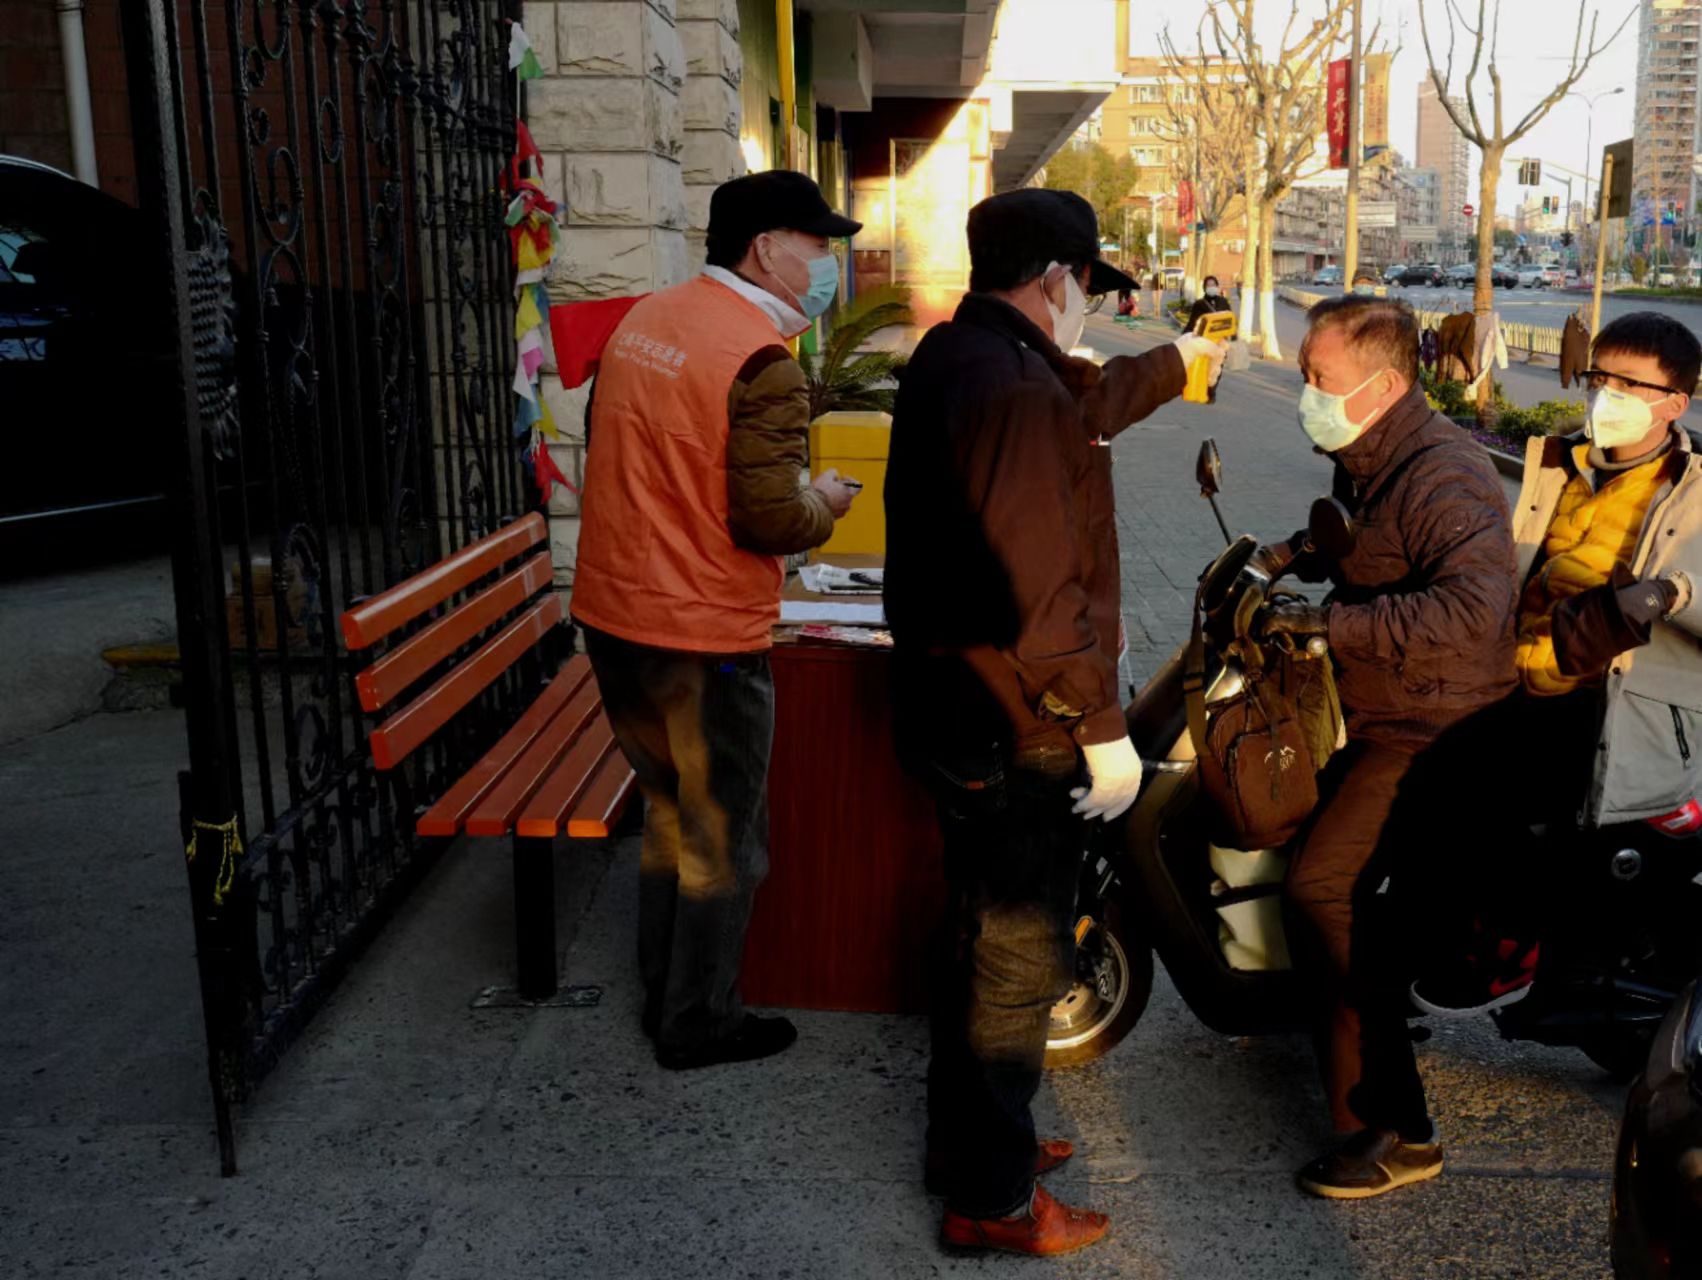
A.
x: 1548, y: 418
x: 1516, y: 423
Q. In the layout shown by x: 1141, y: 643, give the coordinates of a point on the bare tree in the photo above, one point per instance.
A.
x: 1285, y: 96
x: 1487, y: 131
x: 1208, y: 123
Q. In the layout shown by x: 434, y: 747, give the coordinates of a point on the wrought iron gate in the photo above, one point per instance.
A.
x: 324, y: 178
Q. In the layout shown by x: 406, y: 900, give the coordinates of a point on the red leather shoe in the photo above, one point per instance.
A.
x: 1049, y: 1153
x: 1047, y: 1228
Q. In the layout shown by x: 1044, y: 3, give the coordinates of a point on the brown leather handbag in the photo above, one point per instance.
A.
x: 1259, y: 751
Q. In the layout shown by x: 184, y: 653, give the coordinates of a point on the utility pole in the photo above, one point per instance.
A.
x: 1601, y: 247
x: 1350, y: 243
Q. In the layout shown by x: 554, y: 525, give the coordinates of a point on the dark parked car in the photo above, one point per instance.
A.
x: 80, y: 373
x: 1504, y: 277
x: 1424, y: 273
x: 1657, y: 1177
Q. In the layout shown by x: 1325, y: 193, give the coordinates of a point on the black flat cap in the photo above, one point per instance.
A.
x: 770, y: 201
x: 1059, y: 225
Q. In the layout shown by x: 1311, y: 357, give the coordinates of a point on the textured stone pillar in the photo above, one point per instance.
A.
x: 607, y: 118
x: 709, y: 29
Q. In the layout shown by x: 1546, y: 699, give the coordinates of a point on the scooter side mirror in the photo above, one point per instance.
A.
x: 1330, y: 529
x: 1208, y: 470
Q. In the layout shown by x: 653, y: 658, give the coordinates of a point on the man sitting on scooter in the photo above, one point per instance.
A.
x: 1606, y: 726
x: 1420, y: 623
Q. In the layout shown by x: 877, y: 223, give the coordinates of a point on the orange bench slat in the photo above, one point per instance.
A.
x: 495, y: 814
x: 446, y: 816
x: 425, y: 715
x: 549, y: 808
x: 369, y: 622
x: 603, y: 799
x: 392, y: 674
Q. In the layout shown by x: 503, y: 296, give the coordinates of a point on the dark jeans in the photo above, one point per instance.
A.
x: 1341, y: 931
x: 698, y: 730
x: 1013, y: 852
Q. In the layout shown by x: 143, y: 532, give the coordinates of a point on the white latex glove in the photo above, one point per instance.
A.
x: 1115, y: 770
x: 1192, y: 347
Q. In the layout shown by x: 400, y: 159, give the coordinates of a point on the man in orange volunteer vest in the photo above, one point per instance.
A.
x: 697, y: 448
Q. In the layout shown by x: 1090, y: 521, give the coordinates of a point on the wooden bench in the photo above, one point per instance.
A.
x: 556, y: 770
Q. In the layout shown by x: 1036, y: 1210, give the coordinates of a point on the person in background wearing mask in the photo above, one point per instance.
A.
x: 693, y: 491
x: 1420, y: 626
x: 1002, y: 590
x: 1211, y: 299
x: 1610, y: 552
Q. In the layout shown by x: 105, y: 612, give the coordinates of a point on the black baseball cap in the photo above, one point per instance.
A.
x: 770, y: 201
x: 1059, y: 225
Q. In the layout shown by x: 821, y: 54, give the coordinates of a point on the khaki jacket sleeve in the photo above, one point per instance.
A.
x: 769, y: 508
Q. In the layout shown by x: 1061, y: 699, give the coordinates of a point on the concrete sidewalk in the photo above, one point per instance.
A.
x: 408, y: 1135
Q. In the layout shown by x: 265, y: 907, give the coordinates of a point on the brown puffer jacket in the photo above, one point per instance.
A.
x: 1422, y: 615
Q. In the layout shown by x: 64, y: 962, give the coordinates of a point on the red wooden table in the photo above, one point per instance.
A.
x: 855, y: 886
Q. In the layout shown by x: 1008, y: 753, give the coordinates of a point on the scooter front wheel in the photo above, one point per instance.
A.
x: 1112, y: 986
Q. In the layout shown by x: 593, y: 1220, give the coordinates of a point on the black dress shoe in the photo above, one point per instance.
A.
x: 755, y: 1038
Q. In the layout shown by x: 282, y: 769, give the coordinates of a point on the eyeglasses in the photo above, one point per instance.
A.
x: 1596, y: 379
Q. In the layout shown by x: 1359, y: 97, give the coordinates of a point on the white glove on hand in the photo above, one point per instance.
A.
x: 1192, y: 347
x: 1115, y: 770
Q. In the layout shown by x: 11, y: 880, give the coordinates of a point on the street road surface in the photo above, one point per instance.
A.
x: 1548, y: 307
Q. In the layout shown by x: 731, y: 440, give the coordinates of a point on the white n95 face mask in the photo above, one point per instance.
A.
x: 1618, y: 418
x: 1067, y: 324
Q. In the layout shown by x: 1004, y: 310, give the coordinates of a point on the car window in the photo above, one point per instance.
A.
x: 23, y: 336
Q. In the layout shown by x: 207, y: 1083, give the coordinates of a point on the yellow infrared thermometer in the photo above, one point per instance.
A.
x: 1219, y: 326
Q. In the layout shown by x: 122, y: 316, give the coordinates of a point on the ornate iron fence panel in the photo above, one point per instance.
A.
x: 325, y: 180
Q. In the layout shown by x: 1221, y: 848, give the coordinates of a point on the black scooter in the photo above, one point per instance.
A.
x: 1214, y: 915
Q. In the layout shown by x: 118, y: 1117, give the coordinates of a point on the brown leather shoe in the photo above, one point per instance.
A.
x: 1046, y: 1228
x: 1049, y: 1153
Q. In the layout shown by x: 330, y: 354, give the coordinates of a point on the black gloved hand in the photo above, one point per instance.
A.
x: 1294, y: 618
x: 1594, y: 627
x: 1647, y: 602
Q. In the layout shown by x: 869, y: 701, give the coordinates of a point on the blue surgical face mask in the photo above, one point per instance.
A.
x: 824, y: 281
x: 1323, y: 417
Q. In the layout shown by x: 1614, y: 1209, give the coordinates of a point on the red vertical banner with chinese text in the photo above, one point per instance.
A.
x: 1185, y: 204
x: 1336, y: 111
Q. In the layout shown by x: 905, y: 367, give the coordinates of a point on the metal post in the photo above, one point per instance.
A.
x: 1350, y: 244
x: 209, y: 789
x: 1601, y: 247
x: 786, y: 55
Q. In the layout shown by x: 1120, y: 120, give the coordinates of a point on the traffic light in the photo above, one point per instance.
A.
x: 1530, y: 172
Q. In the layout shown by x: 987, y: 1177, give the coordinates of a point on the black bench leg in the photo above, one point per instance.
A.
x: 535, y: 916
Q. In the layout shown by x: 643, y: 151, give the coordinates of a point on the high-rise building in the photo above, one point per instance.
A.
x: 1442, y: 147
x: 1662, y: 178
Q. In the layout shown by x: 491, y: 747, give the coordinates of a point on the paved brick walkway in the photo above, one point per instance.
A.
x: 1166, y: 530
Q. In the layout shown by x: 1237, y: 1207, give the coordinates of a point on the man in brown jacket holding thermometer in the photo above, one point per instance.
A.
x: 1002, y: 587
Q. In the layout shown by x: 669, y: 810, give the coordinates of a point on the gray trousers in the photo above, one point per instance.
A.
x: 698, y: 730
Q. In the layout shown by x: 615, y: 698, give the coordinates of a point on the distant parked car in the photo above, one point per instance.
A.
x: 1424, y: 273
x: 1666, y: 280
x: 1327, y: 276
x: 1392, y: 273
x: 1462, y: 273
x: 1503, y: 277
x: 1532, y: 278
x: 1553, y: 278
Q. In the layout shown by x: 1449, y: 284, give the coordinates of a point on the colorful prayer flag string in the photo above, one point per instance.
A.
x: 533, y: 234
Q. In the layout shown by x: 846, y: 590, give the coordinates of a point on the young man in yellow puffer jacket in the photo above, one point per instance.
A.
x: 1607, y: 724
